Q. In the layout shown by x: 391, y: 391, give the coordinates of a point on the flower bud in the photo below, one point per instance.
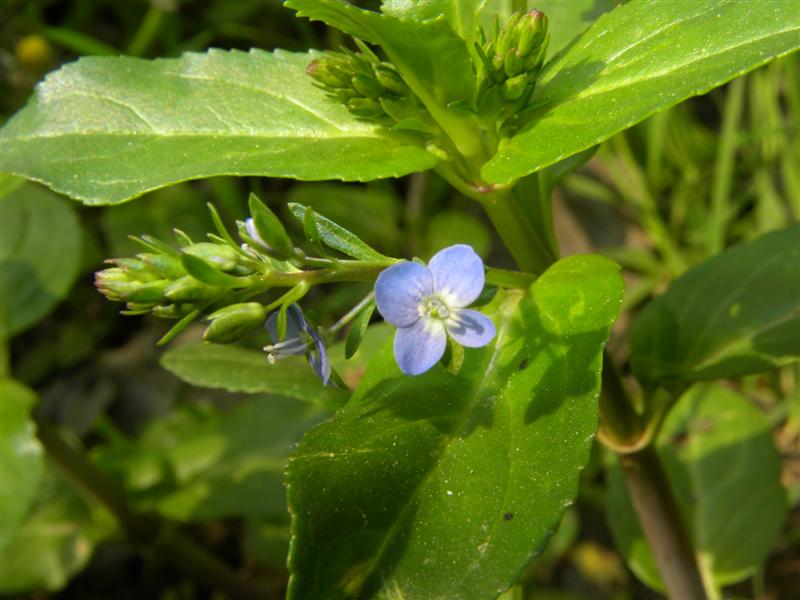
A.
x: 168, y: 267
x: 390, y: 79
x: 512, y: 64
x: 117, y: 285
x: 170, y: 311
x: 367, y: 86
x: 365, y: 107
x: 328, y: 73
x: 232, y: 322
x: 221, y: 256
x: 188, y: 289
x: 514, y: 88
x: 533, y: 31
x: 137, y: 269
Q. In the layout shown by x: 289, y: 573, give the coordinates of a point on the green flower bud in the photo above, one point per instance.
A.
x: 117, y: 285
x: 390, y: 79
x: 170, y: 311
x: 221, y: 256
x: 365, y: 107
x: 514, y: 88
x: 328, y: 73
x: 188, y: 289
x: 232, y: 322
x: 168, y: 267
x: 367, y: 86
x: 512, y: 64
x: 137, y: 269
x: 437, y: 151
x: 533, y: 32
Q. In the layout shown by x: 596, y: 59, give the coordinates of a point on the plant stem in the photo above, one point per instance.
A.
x: 148, y: 529
x: 662, y: 524
x: 529, y: 249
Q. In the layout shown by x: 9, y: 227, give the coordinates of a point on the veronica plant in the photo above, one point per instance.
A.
x: 444, y: 471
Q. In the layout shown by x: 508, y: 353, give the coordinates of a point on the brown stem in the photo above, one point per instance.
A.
x: 149, y: 529
x: 662, y: 523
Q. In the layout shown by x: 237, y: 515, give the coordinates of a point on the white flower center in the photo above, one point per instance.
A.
x: 434, y: 307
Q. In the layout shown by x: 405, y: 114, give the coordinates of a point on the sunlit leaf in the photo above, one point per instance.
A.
x: 106, y: 129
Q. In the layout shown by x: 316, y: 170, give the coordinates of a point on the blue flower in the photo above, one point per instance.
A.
x: 426, y: 304
x: 301, y: 338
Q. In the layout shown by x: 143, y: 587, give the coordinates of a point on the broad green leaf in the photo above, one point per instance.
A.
x: 239, y: 369
x: 731, y: 315
x: 434, y: 62
x: 55, y: 540
x: 106, y: 129
x: 444, y: 486
x: 640, y: 58
x: 21, y: 457
x: 40, y: 254
x: 463, y: 15
x: 724, y: 467
x: 335, y: 236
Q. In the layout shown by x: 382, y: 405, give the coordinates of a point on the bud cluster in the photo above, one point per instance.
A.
x: 158, y: 281
x: 511, y: 62
x: 368, y: 87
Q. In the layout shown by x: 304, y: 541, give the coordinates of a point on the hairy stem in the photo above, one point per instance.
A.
x: 148, y: 529
x: 662, y: 524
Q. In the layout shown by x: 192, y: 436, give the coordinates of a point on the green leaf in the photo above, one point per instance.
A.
x: 431, y: 58
x: 569, y: 19
x: 270, y: 228
x: 21, y: 457
x: 637, y: 60
x: 463, y: 15
x: 205, y: 272
x: 336, y: 236
x: 731, y: 315
x: 106, y: 129
x: 238, y: 369
x: 724, y: 467
x: 55, y: 540
x: 40, y: 254
x: 444, y: 486
x: 372, y: 210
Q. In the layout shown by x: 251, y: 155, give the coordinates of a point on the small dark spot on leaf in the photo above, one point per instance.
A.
x: 523, y: 364
x: 508, y: 516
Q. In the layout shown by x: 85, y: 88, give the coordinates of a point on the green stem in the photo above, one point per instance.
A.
x: 527, y: 245
x: 662, y: 524
x: 149, y: 529
x: 351, y: 314
x: 624, y: 431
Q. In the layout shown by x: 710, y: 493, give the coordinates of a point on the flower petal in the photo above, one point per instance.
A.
x: 318, y: 358
x: 418, y: 347
x: 457, y: 275
x: 399, y: 290
x: 470, y: 328
x: 295, y: 326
